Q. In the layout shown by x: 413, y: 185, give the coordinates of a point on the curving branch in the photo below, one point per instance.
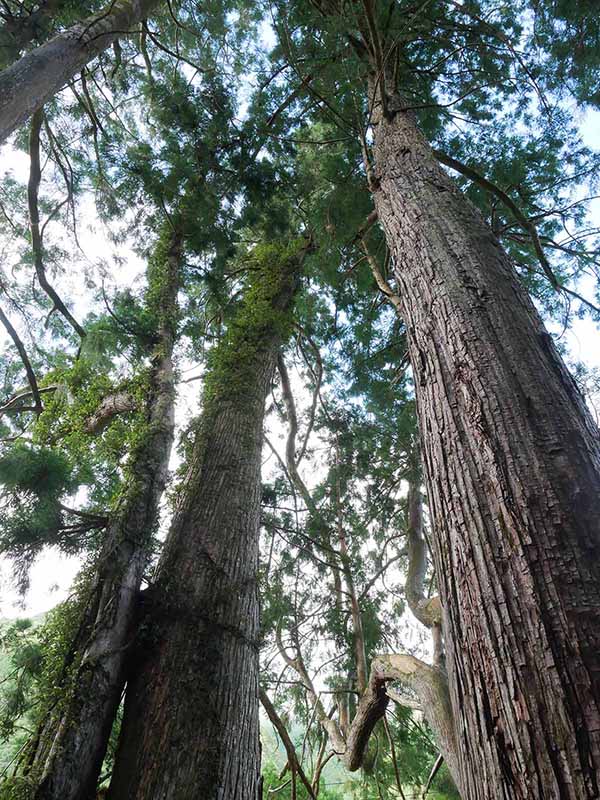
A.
x: 293, y: 761
x: 427, y: 610
x: 33, y: 186
x: 16, y: 403
x: 31, y: 379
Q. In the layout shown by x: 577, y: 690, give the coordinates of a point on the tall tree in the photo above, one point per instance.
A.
x: 194, y: 686
x: 71, y: 742
x: 508, y: 442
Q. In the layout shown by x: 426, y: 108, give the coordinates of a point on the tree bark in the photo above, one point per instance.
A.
x: 73, y: 738
x: 32, y: 80
x: 191, y: 712
x: 513, y: 471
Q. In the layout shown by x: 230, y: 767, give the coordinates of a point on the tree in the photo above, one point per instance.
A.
x: 507, y: 441
x: 72, y: 738
x: 196, y: 677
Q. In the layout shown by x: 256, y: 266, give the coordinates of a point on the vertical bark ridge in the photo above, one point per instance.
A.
x: 72, y: 741
x: 191, y: 713
x: 513, y: 469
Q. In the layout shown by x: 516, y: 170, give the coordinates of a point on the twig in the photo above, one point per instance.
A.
x: 33, y: 186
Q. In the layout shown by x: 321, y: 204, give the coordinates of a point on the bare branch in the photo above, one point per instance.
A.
x: 293, y: 761
x: 35, y: 176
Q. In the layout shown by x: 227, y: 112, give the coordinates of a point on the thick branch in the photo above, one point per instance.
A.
x: 36, y: 77
x: 111, y: 406
x: 431, y: 686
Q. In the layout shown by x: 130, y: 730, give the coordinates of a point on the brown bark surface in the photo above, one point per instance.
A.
x: 32, y: 80
x: 513, y: 472
x: 191, y: 713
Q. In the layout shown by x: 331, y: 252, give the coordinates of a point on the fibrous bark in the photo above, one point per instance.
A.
x: 513, y: 472
x: 32, y: 80
x: 191, y: 712
x: 73, y: 737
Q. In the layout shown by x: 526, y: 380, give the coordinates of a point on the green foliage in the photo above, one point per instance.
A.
x: 34, y: 483
x: 264, y: 312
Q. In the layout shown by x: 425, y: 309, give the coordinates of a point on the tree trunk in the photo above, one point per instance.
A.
x: 18, y: 31
x: 190, y: 728
x: 32, y: 80
x: 73, y: 738
x: 513, y: 471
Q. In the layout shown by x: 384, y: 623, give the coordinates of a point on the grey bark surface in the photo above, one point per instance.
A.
x: 32, y: 80
x: 191, y: 728
x: 513, y: 472
x: 72, y: 743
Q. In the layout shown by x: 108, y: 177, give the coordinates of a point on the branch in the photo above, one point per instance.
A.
x: 434, y: 770
x: 110, y: 406
x: 290, y: 447
x: 527, y: 225
x: 381, y: 282
x: 329, y: 725
x: 17, y: 399
x: 287, y: 742
x: 32, y: 380
x: 394, y: 759
x: 427, y: 610
x: 318, y: 377
x: 35, y: 176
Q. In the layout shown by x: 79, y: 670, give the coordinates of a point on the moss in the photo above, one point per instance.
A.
x: 265, y: 312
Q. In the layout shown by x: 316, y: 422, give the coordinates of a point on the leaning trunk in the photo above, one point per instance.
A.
x: 72, y: 741
x: 191, y: 712
x: 513, y: 472
x: 32, y: 80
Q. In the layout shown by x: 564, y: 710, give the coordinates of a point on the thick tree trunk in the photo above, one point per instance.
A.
x: 191, y: 712
x: 32, y: 80
x: 73, y: 739
x: 513, y: 472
